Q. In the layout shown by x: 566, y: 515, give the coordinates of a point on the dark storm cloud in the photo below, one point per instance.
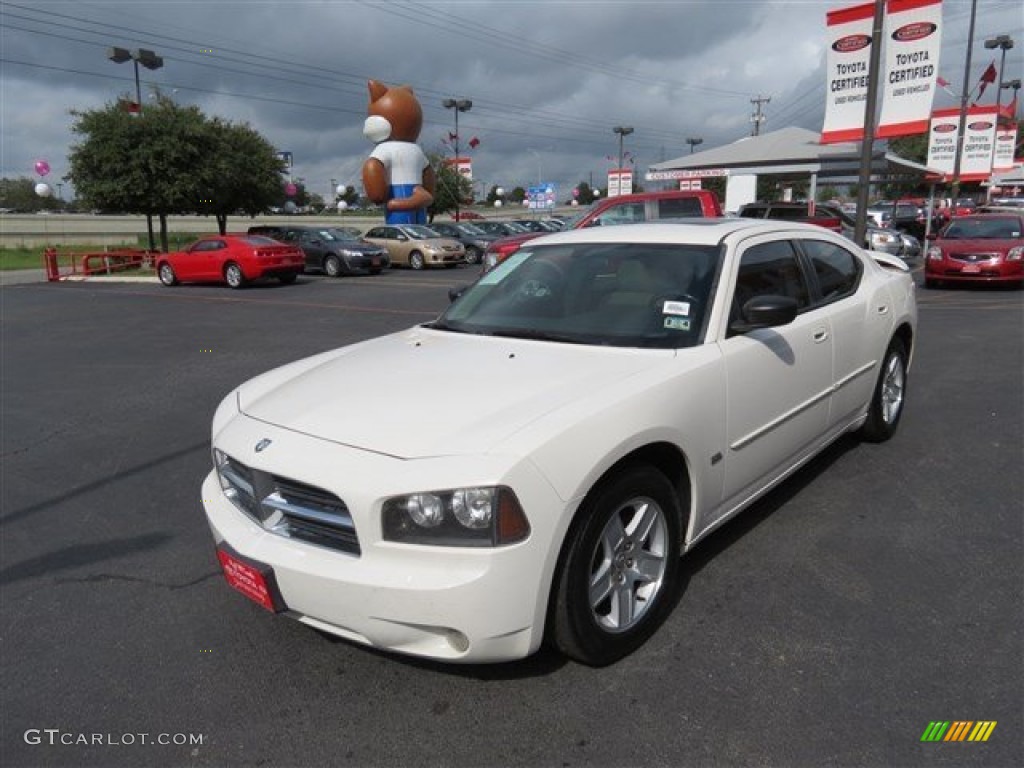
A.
x: 549, y: 80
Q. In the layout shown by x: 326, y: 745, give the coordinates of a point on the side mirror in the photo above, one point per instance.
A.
x: 456, y: 291
x: 765, y: 312
x: 402, y: 238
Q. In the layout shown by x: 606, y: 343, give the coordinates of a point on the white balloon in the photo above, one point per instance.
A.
x: 341, y: 190
x: 574, y: 203
x: 497, y: 203
x: 342, y: 205
x: 43, y: 190
x: 500, y: 191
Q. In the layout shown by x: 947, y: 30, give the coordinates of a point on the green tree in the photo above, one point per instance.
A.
x: 243, y: 172
x: 452, y: 186
x: 171, y: 159
x: 20, y: 195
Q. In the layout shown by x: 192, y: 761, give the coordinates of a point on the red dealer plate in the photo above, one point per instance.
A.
x: 254, y: 580
x: 971, y: 269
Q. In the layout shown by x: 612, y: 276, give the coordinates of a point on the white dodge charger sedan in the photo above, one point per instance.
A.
x: 598, y: 404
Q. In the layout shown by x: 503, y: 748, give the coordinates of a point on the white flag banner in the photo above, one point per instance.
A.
x: 1002, y: 157
x: 846, y: 68
x: 913, y: 38
x: 978, y: 142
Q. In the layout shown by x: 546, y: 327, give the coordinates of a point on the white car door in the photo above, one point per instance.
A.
x: 778, y: 380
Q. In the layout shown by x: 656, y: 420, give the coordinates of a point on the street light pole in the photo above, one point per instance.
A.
x: 694, y: 141
x: 458, y: 105
x: 1004, y: 43
x: 623, y: 131
x: 149, y: 60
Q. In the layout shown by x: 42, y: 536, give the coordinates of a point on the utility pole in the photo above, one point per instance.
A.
x: 867, y: 146
x: 960, y: 130
x: 758, y: 117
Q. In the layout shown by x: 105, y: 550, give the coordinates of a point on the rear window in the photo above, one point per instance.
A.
x: 258, y: 240
x: 680, y: 208
x: 837, y: 269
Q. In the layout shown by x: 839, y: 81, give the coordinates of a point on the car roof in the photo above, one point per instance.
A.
x: 695, y: 231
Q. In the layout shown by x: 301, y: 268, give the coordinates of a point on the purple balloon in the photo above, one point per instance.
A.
x: 42, y: 167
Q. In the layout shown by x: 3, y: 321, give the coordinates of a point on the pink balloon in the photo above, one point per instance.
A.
x: 42, y: 167
x: 290, y: 190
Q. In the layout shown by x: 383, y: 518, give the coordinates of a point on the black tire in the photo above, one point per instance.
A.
x: 166, y: 274
x: 889, y: 398
x: 416, y: 260
x: 473, y: 255
x: 332, y: 266
x: 634, y: 512
x: 234, y: 276
x: 288, y: 279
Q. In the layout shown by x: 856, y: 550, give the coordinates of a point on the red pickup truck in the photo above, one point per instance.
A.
x: 624, y: 209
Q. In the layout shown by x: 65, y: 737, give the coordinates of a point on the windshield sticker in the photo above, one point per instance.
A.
x: 676, y: 308
x: 498, y: 274
x: 677, y: 323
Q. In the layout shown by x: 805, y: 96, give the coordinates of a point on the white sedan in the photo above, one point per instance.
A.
x: 597, y: 404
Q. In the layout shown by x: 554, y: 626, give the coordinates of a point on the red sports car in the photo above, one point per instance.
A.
x: 985, y: 248
x: 232, y: 259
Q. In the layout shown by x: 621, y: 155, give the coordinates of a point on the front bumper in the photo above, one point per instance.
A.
x: 449, y: 603
x: 953, y: 270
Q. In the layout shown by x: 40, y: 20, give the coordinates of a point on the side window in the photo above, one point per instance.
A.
x: 837, y: 269
x: 794, y: 213
x: 375, y: 232
x: 771, y: 269
x: 290, y: 236
x: 204, y: 246
x: 627, y: 213
x: 680, y: 208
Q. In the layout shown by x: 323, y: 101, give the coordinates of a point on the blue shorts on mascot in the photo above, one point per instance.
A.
x: 397, y: 173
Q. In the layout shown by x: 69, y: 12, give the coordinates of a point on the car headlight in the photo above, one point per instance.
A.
x: 935, y: 253
x: 1015, y: 254
x: 459, y: 517
x: 347, y: 253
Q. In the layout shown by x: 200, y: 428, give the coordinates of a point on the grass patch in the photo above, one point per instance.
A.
x: 32, y: 257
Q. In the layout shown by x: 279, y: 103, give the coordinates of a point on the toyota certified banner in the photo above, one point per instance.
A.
x: 979, y: 138
x: 1002, y: 157
x: 846, y: 65
x: 913, y: 37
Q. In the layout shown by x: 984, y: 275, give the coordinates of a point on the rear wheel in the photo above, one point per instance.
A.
x: 619, y: 568
x: 416, y: 260
x: 166, y: 274
x: 473, y: 255
x: 332, y: 266
x: 886, y: 407
x: 234, y: 276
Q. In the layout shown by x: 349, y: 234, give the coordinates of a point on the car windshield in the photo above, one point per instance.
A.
x: 345, y: 233
x: 470, y: 229
x: 994, y: 228
x: 608, y: 294
x: 573, y: 222
x: 418, y: 232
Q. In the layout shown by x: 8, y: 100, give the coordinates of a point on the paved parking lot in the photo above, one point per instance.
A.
x: 877, y: 591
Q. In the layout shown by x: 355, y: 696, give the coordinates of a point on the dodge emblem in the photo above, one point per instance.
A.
x: 262, y: 444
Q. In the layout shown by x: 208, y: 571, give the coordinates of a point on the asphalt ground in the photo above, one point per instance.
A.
x: 877, y: 591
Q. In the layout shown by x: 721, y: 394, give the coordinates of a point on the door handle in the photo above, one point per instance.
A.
x: 820, y: 335
x: 883, y: 309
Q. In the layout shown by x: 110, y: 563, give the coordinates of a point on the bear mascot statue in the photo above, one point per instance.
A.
x: 397, y: 173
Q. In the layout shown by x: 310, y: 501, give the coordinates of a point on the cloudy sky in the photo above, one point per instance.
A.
x: 549, y: 79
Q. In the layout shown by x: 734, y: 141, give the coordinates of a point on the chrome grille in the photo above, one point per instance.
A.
x: 287, y: 507
x: 973, y: 257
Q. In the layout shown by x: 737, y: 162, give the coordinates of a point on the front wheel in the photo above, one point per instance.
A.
x: 234, y: 276
x: 332, y: 266
x: 473, y: 255
x: 618, y: 573
x: 416, y: 260
x: 887, y: 402
x: 166, y: 274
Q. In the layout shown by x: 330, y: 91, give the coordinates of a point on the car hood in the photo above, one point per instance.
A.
x: 989, y: 245
x: 358, y: 246
x: 426, y: 393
